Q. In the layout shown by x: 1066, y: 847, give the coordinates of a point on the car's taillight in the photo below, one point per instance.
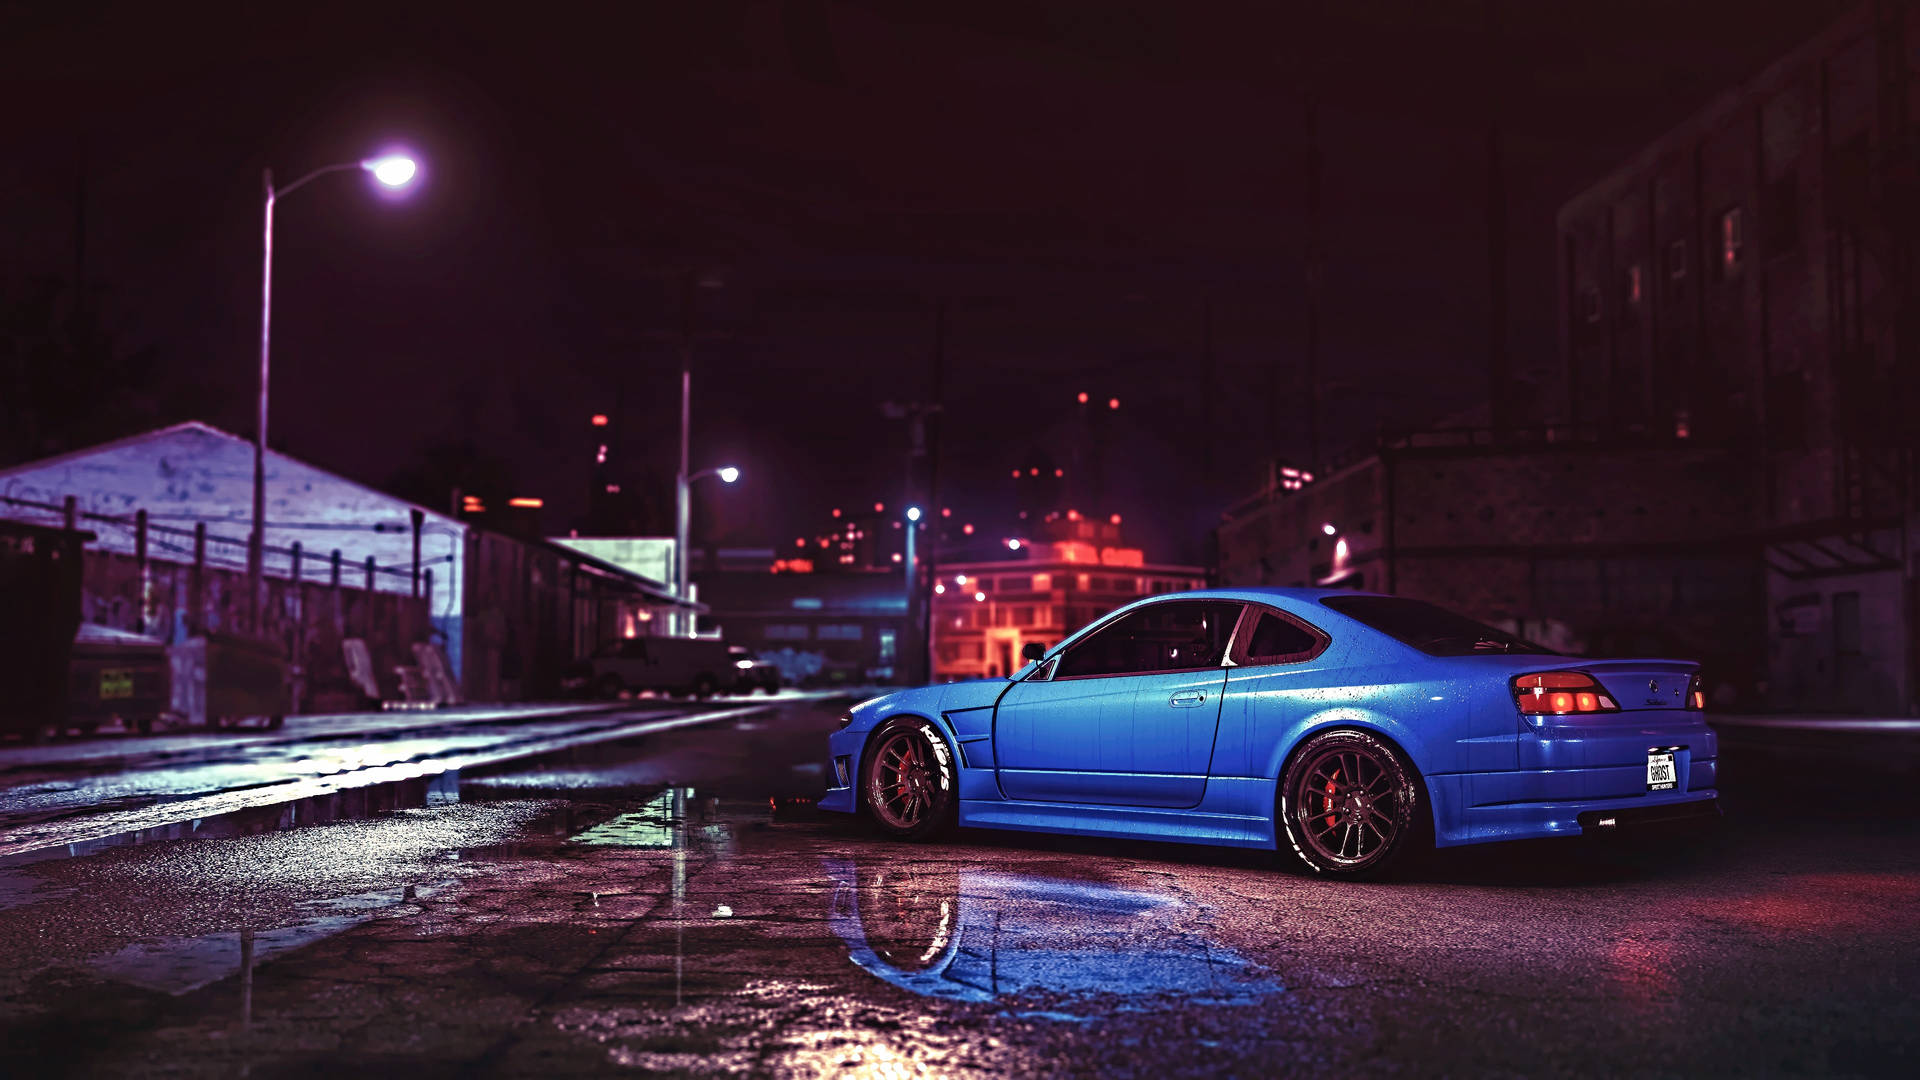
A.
x: 1561, y: 692
x: 1696, y: 695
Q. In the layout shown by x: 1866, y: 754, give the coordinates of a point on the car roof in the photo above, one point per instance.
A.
x: 1262, y: 594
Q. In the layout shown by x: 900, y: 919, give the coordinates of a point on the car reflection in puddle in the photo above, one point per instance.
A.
x: 1046, y: 947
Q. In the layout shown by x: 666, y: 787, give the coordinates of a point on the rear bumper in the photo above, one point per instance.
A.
x: 843, y: 763
x: 1684, y: 813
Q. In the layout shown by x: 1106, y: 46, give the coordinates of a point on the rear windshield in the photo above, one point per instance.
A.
x: 1433, y: 630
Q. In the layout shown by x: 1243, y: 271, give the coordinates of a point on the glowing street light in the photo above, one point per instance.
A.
x: 393, y: 170
x: 1328, y: 528
x: 727, y: 474
x: 913, y: 513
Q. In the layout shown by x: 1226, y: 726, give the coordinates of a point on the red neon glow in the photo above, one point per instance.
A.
x: 878, y: 507
x: 1115, y: 519
x: 527, y: 503
x: 599, y: 419
x: 967, y: 529
x: 946, y: 511
x: 1083, y: 397
x: 1034, y: 472
x: 1073, y: 515
x: 1059, y: 472
x: 1016, y: 474
x: 800, y: 541
x: 1113, y: 403
x: 836, y: 511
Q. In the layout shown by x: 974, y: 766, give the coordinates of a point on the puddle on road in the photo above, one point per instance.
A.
x: 675, y: 818
x: 1045, y: 947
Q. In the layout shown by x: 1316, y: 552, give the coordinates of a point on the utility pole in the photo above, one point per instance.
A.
x: 1499, y: 368
x: 1316, y: 274
x: 683, y: 495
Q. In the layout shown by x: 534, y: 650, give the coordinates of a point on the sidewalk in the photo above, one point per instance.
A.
x: 1890, y: 743
x: 109, y: 750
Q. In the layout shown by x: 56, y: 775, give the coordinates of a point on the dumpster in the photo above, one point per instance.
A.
x: 39, y: 611
x: 229, y: 678
x: 115, y: 674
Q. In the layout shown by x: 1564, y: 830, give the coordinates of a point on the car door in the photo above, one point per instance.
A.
x: 1125, y: 716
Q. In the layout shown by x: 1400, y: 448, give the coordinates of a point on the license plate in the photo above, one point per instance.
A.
x: 1660, y: 771
x: 116, y: 683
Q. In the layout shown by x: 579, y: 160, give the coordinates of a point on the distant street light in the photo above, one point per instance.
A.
x: 393, y: 170
x: 913, y: 595
x: 682, y: 521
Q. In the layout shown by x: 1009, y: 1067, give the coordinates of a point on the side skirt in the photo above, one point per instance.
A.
x: 1128, y: 822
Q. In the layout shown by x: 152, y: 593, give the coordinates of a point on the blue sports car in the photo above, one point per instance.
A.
x: 1346, y: 727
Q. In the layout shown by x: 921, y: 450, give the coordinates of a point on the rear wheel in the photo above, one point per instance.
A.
x: 909, y: 780
x: 1348, y: 804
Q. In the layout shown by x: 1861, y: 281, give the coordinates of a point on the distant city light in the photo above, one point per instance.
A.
x: 599, y: 419
x: 527, y: 503
x: 600, y: 458
x: 800, y: 541
x: 1083, y: 397
x: 1016, y: 474
x: 878, y: 507
x: 729, y: 474
x: 1306, y: 477
x: 946, y: 511
x: 960, y: 579
x: 979, y: 596
x: 913, y: 513
x: 1013, y: 545
x: 1034, y: 471
x: 836, y: 511
x: 393, y: 171
x: 939, y: 588
x: 1113, y: 403
x: 896, y: 556
x: 1115, y: 519
x: 1073, y: 515
x: 1328, y: 528
x: 1059, y: 472
x: 613, y: 489
x: 967, y: 528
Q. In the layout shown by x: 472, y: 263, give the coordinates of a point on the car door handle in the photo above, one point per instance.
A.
x: 1187, y: 699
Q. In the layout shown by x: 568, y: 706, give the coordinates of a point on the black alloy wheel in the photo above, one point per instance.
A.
x: 1348, y: 804
x: 909, y: 780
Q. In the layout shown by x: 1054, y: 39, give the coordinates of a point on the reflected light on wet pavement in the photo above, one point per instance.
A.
x: 1078, y: 949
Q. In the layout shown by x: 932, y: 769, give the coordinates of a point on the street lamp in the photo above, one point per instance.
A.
x: 683, y: 512
x: 393, y: 170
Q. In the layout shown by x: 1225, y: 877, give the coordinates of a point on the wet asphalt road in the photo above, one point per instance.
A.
x: 654, y: 905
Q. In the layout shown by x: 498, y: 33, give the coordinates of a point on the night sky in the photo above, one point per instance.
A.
x: 1077, y: 183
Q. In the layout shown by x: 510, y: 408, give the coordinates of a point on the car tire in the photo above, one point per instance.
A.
x: 1349, y: 805
x: 907, y: 779
x: 609, y: 686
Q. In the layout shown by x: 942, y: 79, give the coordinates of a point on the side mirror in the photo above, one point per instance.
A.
x: 1033, y: 650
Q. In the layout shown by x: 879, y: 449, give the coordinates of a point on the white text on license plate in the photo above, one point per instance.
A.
x: 1660, y: 775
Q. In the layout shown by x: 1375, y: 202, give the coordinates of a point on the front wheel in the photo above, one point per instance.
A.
x: 1348, y: 804
x: 909, y: 781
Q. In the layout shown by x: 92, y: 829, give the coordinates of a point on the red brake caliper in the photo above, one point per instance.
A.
x: 1330, y: 786
x: 906, y: 763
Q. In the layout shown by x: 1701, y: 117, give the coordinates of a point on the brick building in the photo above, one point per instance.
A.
x: 1723, y: 469
x: 985, y: 611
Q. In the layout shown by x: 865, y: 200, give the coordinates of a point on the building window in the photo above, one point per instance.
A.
x: 1589, y: 304
x: 1042, y: 582
x: 1016, y: 584
x: 1732, y: 242
x: 838, y: 632
x: 785, y: 632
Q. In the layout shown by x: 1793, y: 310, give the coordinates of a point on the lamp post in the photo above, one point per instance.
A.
x: 395, y: 171
x: 912, y: 647
x: 683, y: 512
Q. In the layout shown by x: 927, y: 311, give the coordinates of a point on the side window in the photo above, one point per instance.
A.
x: 1277, y: 641
x: 1175, y: 636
